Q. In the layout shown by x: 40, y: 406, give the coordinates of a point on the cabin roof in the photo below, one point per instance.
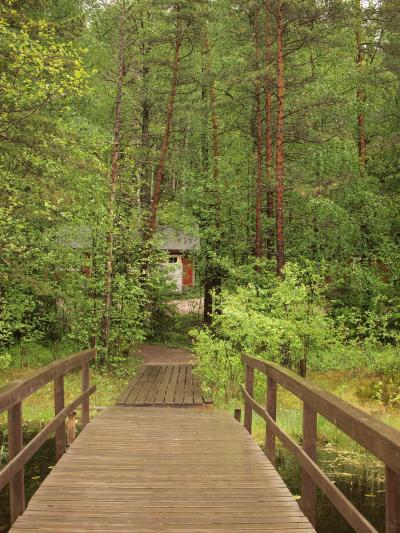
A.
x: 176, y: 239
x: 76, y: 236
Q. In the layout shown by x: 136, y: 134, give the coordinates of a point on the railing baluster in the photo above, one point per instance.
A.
x: 248, y: 412
x: 85, y: 386
x: 271, y: 410
x: 392, y: 501
x: 59, y: 406
x: 309, y: 488
x: 15, y: 445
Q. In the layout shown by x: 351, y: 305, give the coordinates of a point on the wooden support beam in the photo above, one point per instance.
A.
x: 392, y: 501
x: 85, y: 386
x: 270, y: 439
x: 237, y: 413
x: 59, y: 406
x: 248, y: 411
x: 309, y: 488
x: 15, y: 445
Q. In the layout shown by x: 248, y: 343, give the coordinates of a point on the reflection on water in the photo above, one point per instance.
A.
x: 35, y: 472
x: 359, y: 476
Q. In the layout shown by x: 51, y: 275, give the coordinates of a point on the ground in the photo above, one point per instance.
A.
x: 156, y: 354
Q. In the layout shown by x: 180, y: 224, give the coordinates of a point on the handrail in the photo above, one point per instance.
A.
x: 11, y: 397
x: 378, y: 438
x: 18, y: 390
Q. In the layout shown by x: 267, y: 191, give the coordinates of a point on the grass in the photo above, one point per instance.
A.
x: 348, y: 386
x: 38, y: 408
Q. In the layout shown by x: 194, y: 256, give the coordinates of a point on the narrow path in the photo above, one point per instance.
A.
x: 153, y: 470
x: 156, y: 354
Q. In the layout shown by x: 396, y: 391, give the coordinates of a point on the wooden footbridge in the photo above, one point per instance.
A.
x: 163, y: 460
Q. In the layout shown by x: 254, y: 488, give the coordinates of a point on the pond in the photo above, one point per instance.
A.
x: 35, y: 472
x: 359, y: 477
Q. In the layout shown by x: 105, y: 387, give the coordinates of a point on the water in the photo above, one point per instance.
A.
x: 35, y: 472
x: 359, y: 476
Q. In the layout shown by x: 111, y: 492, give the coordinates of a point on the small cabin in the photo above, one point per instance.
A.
x: 180, y: 247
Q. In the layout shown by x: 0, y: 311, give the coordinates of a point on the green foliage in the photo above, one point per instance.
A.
x: 285, y: 323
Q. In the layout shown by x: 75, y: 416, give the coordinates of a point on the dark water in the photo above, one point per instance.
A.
x: 359, y: 476
x: 35, y: 472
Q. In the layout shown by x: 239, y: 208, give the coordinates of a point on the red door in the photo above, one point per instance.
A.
x: 187, y: 268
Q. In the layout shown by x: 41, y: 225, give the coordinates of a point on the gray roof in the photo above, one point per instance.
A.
x: 76, y: 236
x: 176, y: 239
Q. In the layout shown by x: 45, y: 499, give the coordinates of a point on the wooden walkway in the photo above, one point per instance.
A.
x: 163, y: 470
x: 164, y: 385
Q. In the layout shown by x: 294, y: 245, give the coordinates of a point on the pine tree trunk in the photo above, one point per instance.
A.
x: 259, y: 175
x: 268, y: 132
x: 280, y: 140
x: 116, y: 155
x: 145, y: 185
x: 362, y: 142
x: 213, y: 278
x: 167, y: 131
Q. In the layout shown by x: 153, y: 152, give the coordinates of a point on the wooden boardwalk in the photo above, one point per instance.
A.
x: 164, y: 385
x: 163, y: 470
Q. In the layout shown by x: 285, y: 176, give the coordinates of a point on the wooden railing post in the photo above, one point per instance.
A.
x: 392, y: 501
x: 59, y: 406
x: 15, y: 445
x: 248, y: 412
x: 85, y: 386
x: 309, y: 488
x: 270, y: 440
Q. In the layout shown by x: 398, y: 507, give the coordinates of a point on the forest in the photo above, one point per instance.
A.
x: 266, y: 130
x: 269, y: 130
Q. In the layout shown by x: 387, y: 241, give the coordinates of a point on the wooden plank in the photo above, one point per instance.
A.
x: 170, y: 392
x: 141, y: 382
x: 188, y: 396
x: 180, y: 385
x: 197, y: 393
x: 124, y: 395
x: 147, y: 381
x: 164, y: 385
x: 160, y: 396
x: 153, y: 388
x: 135, y: 470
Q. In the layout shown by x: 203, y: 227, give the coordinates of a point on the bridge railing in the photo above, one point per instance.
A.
x: 11, y: 398
x: 375, y: 436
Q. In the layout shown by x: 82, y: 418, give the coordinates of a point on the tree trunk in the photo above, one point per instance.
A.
x: 145, y: 185
x: 268, y: 132
x: 259, y: 176
x: 362, y: 142
x: 116, y: 155
x: 213, y: 278
x: 167, y: 131
x: 280, y: 140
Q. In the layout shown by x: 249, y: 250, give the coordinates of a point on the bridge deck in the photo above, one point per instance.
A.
x: 164, y: 385
x: 163, y: 470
